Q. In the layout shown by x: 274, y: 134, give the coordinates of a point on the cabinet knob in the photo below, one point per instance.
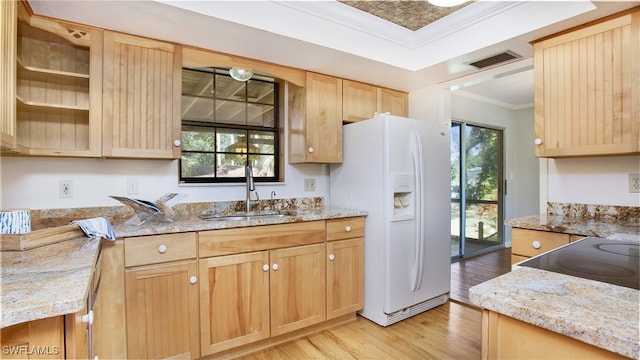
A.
x: 536, y: 244
x: 177, y: 143
x: 265, y: 267
x: 538, y: 141
x: 275, y: 267
x: 162, y: 249
x: 332, y: 257
x: 193, y: 279
x: 87, y: 318
x: 347, y: 228
x: 310, y: 149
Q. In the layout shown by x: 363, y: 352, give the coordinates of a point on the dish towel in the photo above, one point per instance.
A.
x: 96, y: 227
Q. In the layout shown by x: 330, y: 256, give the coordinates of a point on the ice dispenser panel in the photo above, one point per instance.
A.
x: 403, y: 196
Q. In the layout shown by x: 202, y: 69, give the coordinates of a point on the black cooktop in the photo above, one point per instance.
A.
x: 606, y: 260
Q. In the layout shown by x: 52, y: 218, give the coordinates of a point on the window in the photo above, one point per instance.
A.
x: 225, y: 124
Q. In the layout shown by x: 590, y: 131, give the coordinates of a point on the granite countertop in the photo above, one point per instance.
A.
x: 190, y: 222
x: 577, y: 225
x: 593, y: 312
x: 47, y: 281
x: 53, y: 280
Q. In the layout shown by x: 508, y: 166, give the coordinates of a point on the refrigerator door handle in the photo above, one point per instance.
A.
x: 418, y: 170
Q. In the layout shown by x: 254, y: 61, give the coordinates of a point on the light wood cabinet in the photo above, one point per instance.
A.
x: 526, y: 243
x: 361, y: 101
x: 504, y: 337
x: 587, y: 89
x: 345, y: 266
x: 141, y: 102
x: 58, y: 87
x: 315, y: 120
x: 162, y: 301
x: 38, y: 339
x: 8, y: 49
x: 234, y: 300
x: 393, y: 101
x: 250, y: 296
x: 297, y: 287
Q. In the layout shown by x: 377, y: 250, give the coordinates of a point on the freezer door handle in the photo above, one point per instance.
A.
x: 418, y: 170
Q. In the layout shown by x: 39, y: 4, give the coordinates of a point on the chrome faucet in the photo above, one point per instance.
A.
x: 248, y: 172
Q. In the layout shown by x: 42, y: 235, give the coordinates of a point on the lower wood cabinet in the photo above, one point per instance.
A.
x: 162, y: 299
x: 526, y: 243
x: 504, y: 337
x: 254, y: 296
x: 38, y: 339
x: 226, y: 292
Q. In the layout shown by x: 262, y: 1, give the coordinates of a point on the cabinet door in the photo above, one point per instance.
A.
x: 162, y: 311
x: 315, y: 120
x: 587, y: 90
x: 8, y: 35
x: 393, y: 101
x: 234, y: 298
x: 345, y: 277
x: 37, y: 339
x: 359, y: 101
x: 141, y: 104
x: 298, y: 290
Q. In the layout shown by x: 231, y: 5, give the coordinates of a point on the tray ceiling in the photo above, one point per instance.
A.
x: 410, y: 14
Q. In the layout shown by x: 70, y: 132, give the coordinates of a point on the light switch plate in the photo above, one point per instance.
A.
x: 309, y: 184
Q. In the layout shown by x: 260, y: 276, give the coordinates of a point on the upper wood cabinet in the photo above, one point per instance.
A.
x: 587, y: 89
x: 141, y: 104
x: 361, y: 101
x: 8, y: 37
x: 58, y: 88
x: 315, y: 120
x: 393, y: 101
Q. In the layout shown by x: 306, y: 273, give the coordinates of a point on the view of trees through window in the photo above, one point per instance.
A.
x: 225, y: 125
x: 476, y: 173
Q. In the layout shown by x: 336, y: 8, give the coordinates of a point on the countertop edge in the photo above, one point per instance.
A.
x: 557, y: 302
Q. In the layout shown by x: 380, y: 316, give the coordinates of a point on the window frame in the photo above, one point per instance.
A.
x: 212, y: 126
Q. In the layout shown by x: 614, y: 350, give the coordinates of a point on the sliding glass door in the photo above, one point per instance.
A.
x: 476, y: 189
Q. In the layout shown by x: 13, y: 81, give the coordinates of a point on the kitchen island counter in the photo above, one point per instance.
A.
x: 577, y: 225
x: 596, y: 313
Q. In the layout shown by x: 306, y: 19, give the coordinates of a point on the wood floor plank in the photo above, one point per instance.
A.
x: 449, y: 331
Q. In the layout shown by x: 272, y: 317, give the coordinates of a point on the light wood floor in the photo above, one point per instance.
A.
x: 450, y: 331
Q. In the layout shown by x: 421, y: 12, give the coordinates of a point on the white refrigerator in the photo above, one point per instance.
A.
x: 398, y: 171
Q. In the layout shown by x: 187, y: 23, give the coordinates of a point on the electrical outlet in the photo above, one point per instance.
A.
x: 132, y: 186
x: 309, y: 184
x: 66, y: 188
x: 634, y: 183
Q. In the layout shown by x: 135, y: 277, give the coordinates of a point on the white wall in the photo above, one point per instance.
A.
x: 590, y: 180
x: 33, y: 182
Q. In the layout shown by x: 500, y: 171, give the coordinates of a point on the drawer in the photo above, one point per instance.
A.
x: 257, y: 238
x: 155, y: 249
x: 530, y: 243
x: 345, y: 228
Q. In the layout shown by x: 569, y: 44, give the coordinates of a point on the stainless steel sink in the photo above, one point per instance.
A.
x: 243, y: 216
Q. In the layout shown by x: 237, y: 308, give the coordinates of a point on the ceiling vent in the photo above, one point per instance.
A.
x: 495, y: 59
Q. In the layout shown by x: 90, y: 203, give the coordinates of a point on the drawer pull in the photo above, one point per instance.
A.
x: 265, y: 267
x: 193, y: 279
x: 332, y: 257
x: 162, y: 249
x: 310, y: 150
x: 275, y: 267
x: 536, y: 244
x: 348, y: 228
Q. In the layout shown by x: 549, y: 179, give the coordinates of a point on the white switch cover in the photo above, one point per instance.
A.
x: 309, y: 184
x: 66, y: 188
x: 132, y: 186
